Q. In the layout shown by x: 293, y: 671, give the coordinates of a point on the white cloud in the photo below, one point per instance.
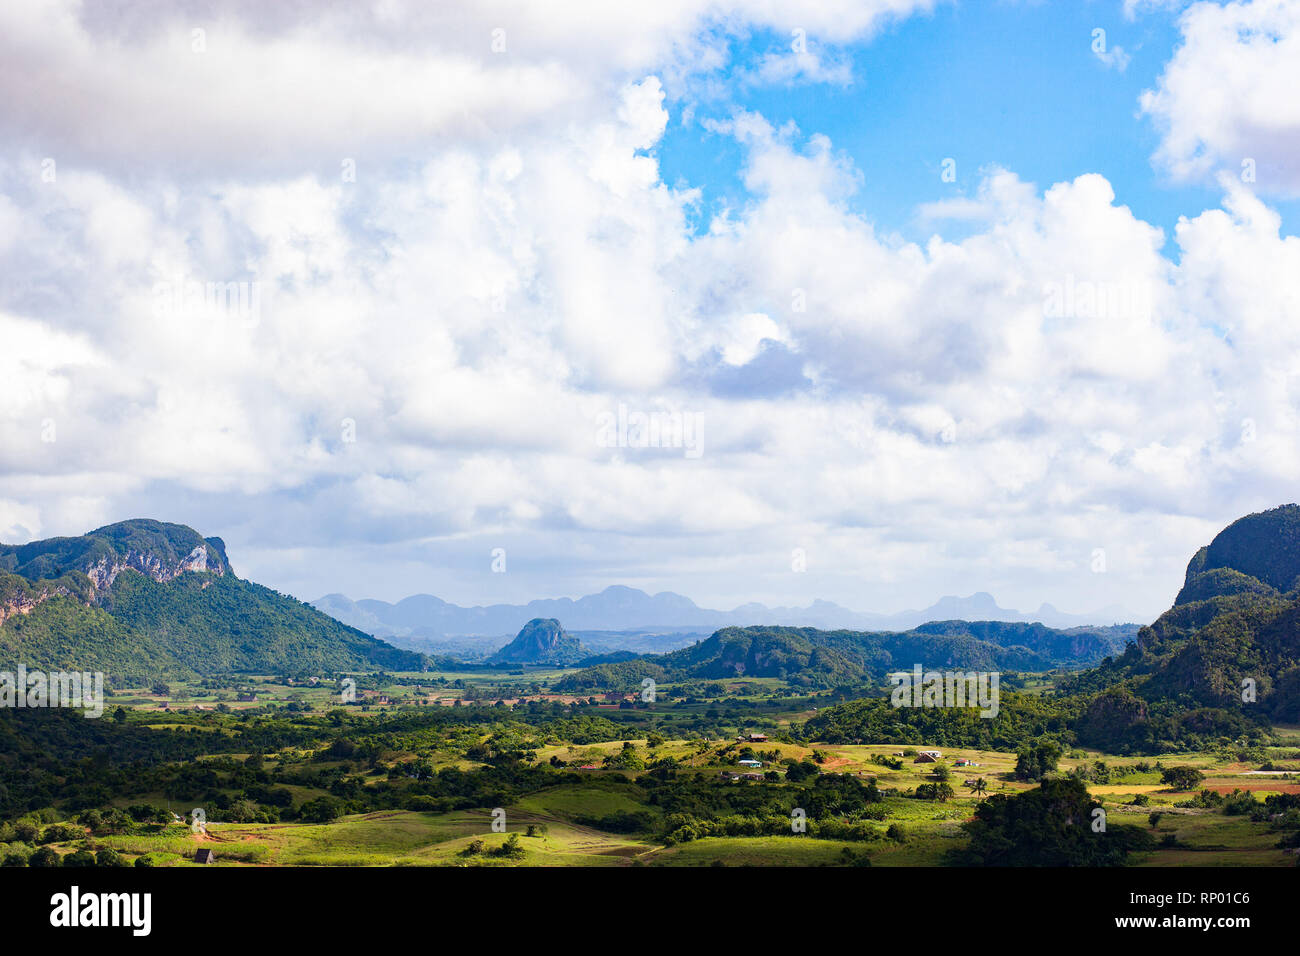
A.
x: 270, y: 88
x: 1226, y: 101
x: 1114, y: 58
x: 968, y: 413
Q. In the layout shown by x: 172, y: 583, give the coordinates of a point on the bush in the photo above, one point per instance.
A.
x: 61, y: 833
x: 1239, y: 803
x: 511, y: 848
x: 321, y: 810
x: 44, y: 857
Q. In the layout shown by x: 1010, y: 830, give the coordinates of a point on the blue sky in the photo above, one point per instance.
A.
x: 1015, y: 85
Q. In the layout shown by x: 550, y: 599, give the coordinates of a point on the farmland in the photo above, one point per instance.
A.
x: 513, y: 775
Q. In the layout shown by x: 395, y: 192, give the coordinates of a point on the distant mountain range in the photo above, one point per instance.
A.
x: 431, y: 623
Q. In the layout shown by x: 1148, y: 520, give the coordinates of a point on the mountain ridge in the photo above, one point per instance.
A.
x: 143, y: 599
x: 618, y: 607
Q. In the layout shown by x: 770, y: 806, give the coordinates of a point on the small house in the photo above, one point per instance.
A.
x: 750, y: 763
x: 758, y: 738
x: 928, y: 756
x: 204, y: 856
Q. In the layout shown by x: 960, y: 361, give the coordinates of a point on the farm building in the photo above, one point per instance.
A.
x: 758, y: 738
x: 928, y: 756
x: 750, y: 763
x: 204, y: 856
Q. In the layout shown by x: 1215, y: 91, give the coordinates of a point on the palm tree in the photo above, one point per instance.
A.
x: 977, y: 787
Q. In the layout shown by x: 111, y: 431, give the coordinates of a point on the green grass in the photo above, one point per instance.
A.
x: 759, y: 851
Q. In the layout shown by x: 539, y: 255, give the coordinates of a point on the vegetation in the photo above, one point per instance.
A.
x: 760, y: 746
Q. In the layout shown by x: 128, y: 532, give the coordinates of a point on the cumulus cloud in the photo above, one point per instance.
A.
x: 1226, y: 100
x: 275, y: 87
x: 434, y: 342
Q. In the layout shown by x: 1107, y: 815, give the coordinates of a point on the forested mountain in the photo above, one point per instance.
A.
x: 815, y: 658
x: 1214, y: 670
x: 1226, y: 653
x: 143, y: 599
x: 542, y: 641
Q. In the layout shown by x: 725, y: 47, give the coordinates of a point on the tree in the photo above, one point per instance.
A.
x: 802, y: 771
x: 1050, y: 825
x: 44, y: 857
x: 979, y: 787
x: 1182, y: 778
x: 1035, y: 761
x: 321, y: 810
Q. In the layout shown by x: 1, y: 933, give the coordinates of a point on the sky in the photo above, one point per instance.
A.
x: 869, y: 301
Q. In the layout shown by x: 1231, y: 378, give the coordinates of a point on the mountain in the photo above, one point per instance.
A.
x: 144, y: 599
x: 816, y: 658
x: 542, y: 641
x: 1259, y: 554
x: 1225, y: 657
x: 426, y: 620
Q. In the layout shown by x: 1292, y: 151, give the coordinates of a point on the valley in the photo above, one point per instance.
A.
x: 1176, y: 744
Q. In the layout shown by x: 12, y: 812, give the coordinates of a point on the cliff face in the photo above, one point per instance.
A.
x: 143, y: 598
x: 105, y: 571
x: 85, y: 567
x: 20, y: 600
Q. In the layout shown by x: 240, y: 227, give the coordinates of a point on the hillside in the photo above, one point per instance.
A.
x: 1223, y: 660
x: 815, y: 658
x: 144, y: 599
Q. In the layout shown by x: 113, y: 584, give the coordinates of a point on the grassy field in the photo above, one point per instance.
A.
x: 549, y: 833
x: 586, y: 823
